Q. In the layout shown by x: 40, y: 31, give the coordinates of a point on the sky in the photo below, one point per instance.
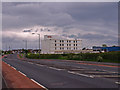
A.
x: 95, y: 23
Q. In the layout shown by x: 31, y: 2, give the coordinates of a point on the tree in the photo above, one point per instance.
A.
x: 84, y: 48
x: 113, y: 46
x: 104, y: 45
x: 99, y: 59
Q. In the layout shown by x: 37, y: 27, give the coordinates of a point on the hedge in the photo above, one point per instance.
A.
x: 102, y: 57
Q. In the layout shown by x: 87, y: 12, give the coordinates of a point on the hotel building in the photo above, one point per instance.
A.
x: 53, y: 44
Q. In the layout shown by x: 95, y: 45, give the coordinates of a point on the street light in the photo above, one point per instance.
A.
x: 39, y: 43
x: 25, y: 45
x: 38, y: 35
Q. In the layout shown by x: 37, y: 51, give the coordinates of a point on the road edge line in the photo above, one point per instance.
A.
x: 22, y: 73
x: 39, y: 84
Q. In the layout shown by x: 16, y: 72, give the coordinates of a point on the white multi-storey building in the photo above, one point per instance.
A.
x: 56, y: 44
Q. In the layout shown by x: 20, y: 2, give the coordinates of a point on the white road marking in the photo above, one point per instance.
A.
x: 9, y: 65
x: 14, y: 68
x: 81, y: 74
x: 22, y: 73
x: 30, y: 63
x: 55, y: 68
x: 117, y: 82
x: 40, y: 65
x: 39, y: 84
x: 106, y: 75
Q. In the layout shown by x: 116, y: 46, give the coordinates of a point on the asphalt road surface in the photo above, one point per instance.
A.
x: 66, y: 74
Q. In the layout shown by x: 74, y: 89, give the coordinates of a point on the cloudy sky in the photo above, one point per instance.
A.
x: 94, y: 23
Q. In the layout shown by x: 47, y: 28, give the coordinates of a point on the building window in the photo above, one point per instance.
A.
x: 69, y: 44
x: 49, y: 36
x: 67, y: 48
x: 55, y: 48
x: 76, y: 44
x: 74, y: 41
x: 55, y: 40
x: 74, y: 48
x: 69, y: 41
x: 60, y: 44
x: 63, y: 48
x: 62, y: 40
x: 55, y: 44
x: 60, y: 48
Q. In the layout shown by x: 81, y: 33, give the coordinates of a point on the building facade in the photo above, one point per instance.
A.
x: 106, y: 49
x: 55, y: 44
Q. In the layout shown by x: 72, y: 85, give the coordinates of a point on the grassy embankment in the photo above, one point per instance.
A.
x: 99, y: 57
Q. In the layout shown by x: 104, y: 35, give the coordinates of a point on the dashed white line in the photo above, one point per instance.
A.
x: 55, y: 68
x: 39, y: 84
x: 117, y: 82
x: 22, y: 73
x: 81, y: 74
x: 30, y: 63
x: 106, y: 76
x: 40, y: 65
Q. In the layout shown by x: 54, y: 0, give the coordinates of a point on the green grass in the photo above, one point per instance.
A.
x: 101, y: 57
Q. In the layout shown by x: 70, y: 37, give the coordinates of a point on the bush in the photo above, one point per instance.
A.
x: 99, y: 59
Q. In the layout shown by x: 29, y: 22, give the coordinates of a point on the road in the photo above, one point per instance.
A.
x: 65, y: 74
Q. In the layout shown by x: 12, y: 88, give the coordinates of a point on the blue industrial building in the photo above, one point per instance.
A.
x: 106, y: 49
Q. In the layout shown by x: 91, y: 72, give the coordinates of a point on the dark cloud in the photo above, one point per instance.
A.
x: 96, y: 36
x: 83, y: 18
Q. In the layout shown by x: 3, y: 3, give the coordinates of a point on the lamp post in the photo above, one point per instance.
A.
x: 38, y: 35
x: 39, y: 43
x: 25, y: 45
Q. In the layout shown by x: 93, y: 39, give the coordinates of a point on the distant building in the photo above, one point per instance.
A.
x: 35, y: 51
x: 106, y: 49
x: 55, y: 44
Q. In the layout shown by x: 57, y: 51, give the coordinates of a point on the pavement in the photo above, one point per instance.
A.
x: 4, y: 85
x: 66, y: 74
